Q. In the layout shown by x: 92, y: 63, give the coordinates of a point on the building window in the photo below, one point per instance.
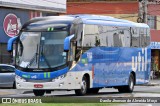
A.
x: 152, y: 22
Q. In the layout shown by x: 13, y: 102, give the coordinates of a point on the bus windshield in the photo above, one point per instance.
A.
x: 41, y: 49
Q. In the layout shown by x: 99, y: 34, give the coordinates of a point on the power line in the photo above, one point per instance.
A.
x: 79, y: 4
x: 122, y: 17
x: 137, y: 16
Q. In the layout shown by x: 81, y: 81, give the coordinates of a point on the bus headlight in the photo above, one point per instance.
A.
x: 20, y: 79
x: 58, y: 78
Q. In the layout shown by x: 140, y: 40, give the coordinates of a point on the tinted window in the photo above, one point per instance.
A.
x: 97, y: 35
x: 90, y: 35
x: 5, y: 69
x: 115, y: 36
x: 143, y: 34
x: 135, y: 37
x: 79, y: 34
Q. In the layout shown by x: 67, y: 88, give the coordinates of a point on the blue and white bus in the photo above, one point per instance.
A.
x: 81, y: 52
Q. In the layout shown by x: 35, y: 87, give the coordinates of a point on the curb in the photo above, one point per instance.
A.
x: 150, y: 84
x: 153, y: 84
x: 6, y: 93
x: 26, y: 92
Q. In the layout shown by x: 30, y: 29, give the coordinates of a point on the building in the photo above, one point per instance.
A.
x: 154, y: 23
x: 124, y: 9
x: 14, y: 13
x: 129, y: 10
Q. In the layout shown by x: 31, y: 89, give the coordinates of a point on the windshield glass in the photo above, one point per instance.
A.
x: 51, y: 50
x: 41, y: 49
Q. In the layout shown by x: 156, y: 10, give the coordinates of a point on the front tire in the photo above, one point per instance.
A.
x: 14, y: 85
x: 84, y: 86
x: 93, y: 91
x: 38, y: 92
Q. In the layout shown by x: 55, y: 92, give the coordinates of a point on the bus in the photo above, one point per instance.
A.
x: 81, y: 52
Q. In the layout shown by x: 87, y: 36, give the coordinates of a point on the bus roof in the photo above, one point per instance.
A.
x: 108, y: 20
x: 47, y: 21
x: 86, y: 19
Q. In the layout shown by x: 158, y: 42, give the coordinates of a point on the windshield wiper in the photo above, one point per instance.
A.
x: 45, y: 59
x: 33, y: 58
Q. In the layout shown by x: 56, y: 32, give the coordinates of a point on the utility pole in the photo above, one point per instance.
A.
x: 142, y: 15
x: 145, y: 11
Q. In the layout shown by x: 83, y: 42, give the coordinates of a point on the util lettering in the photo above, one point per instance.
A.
x: 139, y: 62
x: 34, y: 76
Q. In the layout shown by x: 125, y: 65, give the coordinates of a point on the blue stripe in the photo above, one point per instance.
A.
x: 10, y: 43
x: 40, y: 75
x: 67, y: 42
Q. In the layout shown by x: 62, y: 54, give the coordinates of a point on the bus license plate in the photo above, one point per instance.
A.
x: 38, y: 86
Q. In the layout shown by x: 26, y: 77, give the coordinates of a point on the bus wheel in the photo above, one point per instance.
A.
x: 83, y: 89
x: 14, y: 85
x: 129, y: 88
x: 93, y: 90
x: 38, y: 92
x: 121, y: 89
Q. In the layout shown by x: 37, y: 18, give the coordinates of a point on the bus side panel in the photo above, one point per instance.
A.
x: 112, y: 66
x: 143, y: 68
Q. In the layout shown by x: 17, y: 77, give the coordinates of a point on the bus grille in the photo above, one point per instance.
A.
x: 44, y: 80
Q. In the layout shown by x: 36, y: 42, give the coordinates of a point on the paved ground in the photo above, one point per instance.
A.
x: 14, y: 92
x: 150, y: 90
x: 155, y: 82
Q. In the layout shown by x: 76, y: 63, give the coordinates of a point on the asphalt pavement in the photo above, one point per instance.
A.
x: 153, y: 82
x: 5, y: 92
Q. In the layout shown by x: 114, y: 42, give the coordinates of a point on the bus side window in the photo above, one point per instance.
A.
x: 144, y: 35
x: 117, y: 40
x: 78, y: 42
x: 135, y: 34
x: 79, y: 34
x: 145, y: 38
x: 91, y: 36
x: 125, y: 37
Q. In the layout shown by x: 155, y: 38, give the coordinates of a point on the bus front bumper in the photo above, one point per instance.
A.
x: 63, y: 84
x: 45, y: 85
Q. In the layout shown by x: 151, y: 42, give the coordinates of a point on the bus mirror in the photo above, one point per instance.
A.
x: 67, y: 42
x: 10, y: 44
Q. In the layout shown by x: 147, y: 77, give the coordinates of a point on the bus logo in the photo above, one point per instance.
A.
x: 35, y: 76
x: 140, y: 62
x: 11, y: 25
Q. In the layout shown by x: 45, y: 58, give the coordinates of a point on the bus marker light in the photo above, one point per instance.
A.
x: 92, y: 71
x: 38, y: 86
x: 61, y: 84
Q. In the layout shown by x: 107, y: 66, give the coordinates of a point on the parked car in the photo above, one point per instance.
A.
x: 7, y: 76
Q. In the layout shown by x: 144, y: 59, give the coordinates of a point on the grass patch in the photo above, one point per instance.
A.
x: 63, y: 104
